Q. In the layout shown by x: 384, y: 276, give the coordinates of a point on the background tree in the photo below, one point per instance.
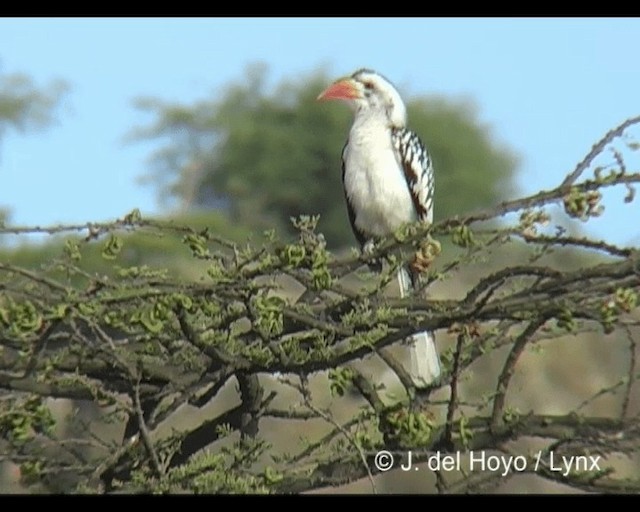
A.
x: 24, y: 106
x: 268, y: 155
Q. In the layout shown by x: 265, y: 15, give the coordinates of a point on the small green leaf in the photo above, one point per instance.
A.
x: 272, y: 476
x: 197, y: 244
x: 112, y: 248
x: 31, y: 471
x: 72, y: 250
x: 465, y: 434
x: 153, y: 318
x: 292, y: 255
x: 133, y: 217
x: 269, y: 316
x: 341, y: 380
x: 462, y: 236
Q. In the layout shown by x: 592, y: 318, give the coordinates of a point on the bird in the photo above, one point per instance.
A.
x: 388, y: 181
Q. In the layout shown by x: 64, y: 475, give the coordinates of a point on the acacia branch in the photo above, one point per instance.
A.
x: 497, y: 419
x: 597, y: 149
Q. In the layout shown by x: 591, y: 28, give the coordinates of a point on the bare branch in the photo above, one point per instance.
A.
x: 497, y: 419
x: 597, y: 149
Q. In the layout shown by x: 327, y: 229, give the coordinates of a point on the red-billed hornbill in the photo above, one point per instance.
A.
x: 388, y: 181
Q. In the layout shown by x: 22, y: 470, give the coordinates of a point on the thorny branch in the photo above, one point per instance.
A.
x: 195, y: 370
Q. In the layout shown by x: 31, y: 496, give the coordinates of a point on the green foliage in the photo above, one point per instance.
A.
x: 112, y: 248
x: 462, y: 236
x: 567, y: 321
x: 268, y: 312
x: 309, y: 252
x: 410, y: 428
x: 19, y: 318
x: 124, y: 328
x: 269, y: 155
x: 623, y: 301
x: 212, y: 474
x: 465, y: 433
x: 224, y: 472
x: 582, y: 205
x: 23, y: 418
x: 341, y: 380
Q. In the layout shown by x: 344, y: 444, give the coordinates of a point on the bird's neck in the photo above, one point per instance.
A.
x: 370, y: 125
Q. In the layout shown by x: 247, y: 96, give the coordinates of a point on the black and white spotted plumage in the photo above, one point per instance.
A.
x: 418, y: 171
x: 388, y: 181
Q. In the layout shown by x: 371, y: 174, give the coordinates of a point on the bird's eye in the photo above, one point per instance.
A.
x: 368, y: 86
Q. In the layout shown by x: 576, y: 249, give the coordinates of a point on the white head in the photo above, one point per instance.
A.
x: 369, y: 92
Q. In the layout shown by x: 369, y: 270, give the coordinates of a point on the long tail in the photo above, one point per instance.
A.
x: 425, y: 361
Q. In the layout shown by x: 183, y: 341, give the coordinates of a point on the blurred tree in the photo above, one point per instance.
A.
x: 269, y: 156
x: 24, y: 106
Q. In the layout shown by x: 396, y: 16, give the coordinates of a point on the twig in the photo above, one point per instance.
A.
x: 324, y: 440
x: 289, y: 414
x: 50, y: 283
x: 398, y: 369
x: 144, y: 432
x: 597, y: 149
x: 441, y: 484
x: 350, y: 439
x: 368, y: 391
x: 599, y: 245
x: 96, y: 229
x: 453, y: 400
x: 508, y: 369
x: 604, y: 391
x: 539, y: 199
x: 631, y: 373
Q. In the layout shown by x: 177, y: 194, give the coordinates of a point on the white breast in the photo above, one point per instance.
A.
x: 375, y: 182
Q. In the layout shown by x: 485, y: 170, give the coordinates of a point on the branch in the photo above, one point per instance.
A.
x: 453, y: 400
x: 144, y: 431
x: 497, y: 419
x: 597, y: 149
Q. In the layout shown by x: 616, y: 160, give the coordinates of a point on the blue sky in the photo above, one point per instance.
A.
x: 548, y: 88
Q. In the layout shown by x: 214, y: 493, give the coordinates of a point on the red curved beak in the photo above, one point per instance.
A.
x: 344, y: 89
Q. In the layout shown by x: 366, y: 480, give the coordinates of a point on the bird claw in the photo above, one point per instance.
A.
x: 368, y: 248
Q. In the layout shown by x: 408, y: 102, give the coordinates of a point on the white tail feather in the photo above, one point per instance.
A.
x: 425, y: 361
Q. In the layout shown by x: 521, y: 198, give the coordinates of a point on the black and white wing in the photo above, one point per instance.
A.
x: 418, y: 170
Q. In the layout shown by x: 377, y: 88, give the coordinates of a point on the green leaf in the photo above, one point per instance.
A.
x: 72, y: 250
x: 112, y: 247
x: 133, y: 217
x: 462, y: 236
x: 197, y: 244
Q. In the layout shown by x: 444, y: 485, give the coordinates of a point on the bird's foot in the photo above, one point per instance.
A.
x: 368, y: 249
